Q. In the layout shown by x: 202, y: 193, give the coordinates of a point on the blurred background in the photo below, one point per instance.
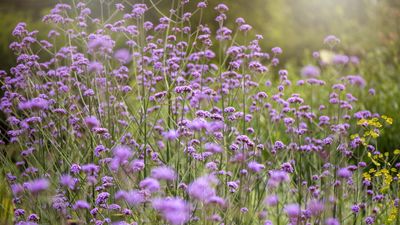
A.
x: 369, y: 29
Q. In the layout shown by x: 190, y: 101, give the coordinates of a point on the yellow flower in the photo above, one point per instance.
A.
x: 353, y: 136
x: 371, y: 133
x: 385, y: 171
x: 366, y: 176
x: 393, y: 214
x: 387, y: 119
x: 362, y: 121
x: 372, y: 170
x: 374, y: 134
x: 373, y: 160
x: 376, y: 124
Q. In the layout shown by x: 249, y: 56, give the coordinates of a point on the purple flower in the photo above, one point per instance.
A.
x: 183, y: 89
x: 115, y: 207
x: 96, y: 67
x: 171, y: 135
x: 221, y: 8
x: 279, y: 145
x: 332, y: 221
x: 331, y: 40
x: 240, y: 21
x: 102, y: 198
x: 371, y: 91
x: 292, y: 210
x: 36, y: 186
x: 81, y: 204
x: 354, y: 60
x: 26, y: 223
x: 277, y: 177
x: 163, y: 173
x: 175, y: 210
x: 310, y: 71
x: 212, y: 147
x: 137, y: 165
x: 323, y: 120
x: 132, y: 197
x: 271, y: 200
x: 201, y: 5
x: 216, y: 200
x: 202, y: 188
x: 150, y: 184
x: 123, y: 56
x: 276, y: 50
x: 287, y: 167
x: 245, y: 27
x: 75, y: 168
x: 355, y: 209
x: 255, y: 167
x: 211, y: 166
x: 138, y: 10
x: 233, y: 186
x: 99, y: 149
x: 356, y: 80
x: 16, y: 189
x: 19, y: 212
x: 33, y: 217
x: 122, y: 153
x: 92, y: 122
x: 101, y: 44
x: 34, y: 104
x: 67, y: 181
x: 90, y: 168
x: 340, y: 59
x: 268, y: 222
x: 20, y: 30
x: 344, y: 173
x: 119, y: 7
x: 316, y: 207
x: 244, y: 210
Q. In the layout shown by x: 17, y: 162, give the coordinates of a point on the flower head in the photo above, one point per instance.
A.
x: 163, y: 173
x: 36, y: 186
x: 175, y: 210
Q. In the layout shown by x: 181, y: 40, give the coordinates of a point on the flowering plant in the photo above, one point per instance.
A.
x: 132, y: 121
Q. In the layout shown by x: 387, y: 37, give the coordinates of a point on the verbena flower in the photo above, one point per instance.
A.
x: 203, y: 188
x: 37, y: 186
x: 174, y: 210
x: 163, y: 173
x: 81, y: 204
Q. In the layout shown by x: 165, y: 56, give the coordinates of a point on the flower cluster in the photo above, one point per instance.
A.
x: 137, y: 121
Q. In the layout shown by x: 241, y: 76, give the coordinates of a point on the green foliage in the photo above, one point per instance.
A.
x: 6, y: 205
x: 384, y: 77
x: 9, y: 19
